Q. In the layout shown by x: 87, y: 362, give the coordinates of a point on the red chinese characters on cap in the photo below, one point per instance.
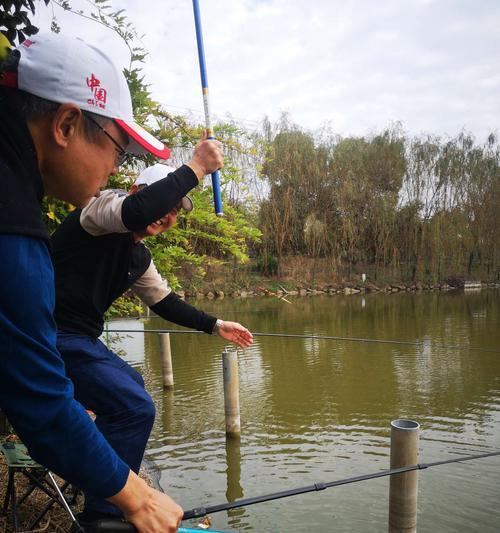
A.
x: 93, y: 82
x: 99, y: 93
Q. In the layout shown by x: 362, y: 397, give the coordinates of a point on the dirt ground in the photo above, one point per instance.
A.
x: 57, y: 519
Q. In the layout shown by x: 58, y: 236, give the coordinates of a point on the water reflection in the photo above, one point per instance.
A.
x: 318, y: 410
x: 234, y: 489
x: 129, y: 345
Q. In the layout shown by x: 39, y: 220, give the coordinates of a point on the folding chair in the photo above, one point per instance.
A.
x: 20, y: 463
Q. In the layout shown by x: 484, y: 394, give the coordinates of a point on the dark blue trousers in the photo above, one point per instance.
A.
x: 114, y: 391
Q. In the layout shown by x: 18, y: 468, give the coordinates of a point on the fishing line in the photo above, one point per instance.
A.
x: 202, y: 511
x: 318, y: 337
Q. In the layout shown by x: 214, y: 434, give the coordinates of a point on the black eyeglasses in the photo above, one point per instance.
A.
x: 121, y: 155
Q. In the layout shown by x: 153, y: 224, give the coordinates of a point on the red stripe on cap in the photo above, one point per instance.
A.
x: 9, y: 79
x: 163, y: 153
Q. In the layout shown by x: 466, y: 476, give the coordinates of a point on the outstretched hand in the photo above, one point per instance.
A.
x: 236, y: 333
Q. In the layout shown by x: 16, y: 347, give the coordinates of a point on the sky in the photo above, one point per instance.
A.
x: 353, y: 66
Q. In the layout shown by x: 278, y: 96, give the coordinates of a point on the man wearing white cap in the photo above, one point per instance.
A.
x: 66, y: 124
x: 98, y: 255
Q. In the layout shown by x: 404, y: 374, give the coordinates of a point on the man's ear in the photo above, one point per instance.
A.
x: 66, y: 124
x: 133, y: 189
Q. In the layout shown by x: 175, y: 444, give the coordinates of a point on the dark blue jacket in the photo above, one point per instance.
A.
x: 34, y: 391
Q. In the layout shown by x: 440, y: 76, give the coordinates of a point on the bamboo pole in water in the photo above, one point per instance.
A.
x: 231, y: 392
x: 403, y: 487
x: 166, y: 361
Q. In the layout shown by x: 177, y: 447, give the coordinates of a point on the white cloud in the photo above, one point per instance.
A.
x: 358, y: 64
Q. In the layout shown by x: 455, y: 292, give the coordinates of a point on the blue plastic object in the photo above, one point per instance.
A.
x: 197, y: 530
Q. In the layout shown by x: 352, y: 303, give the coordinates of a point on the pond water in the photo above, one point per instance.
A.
x: 320, y: 410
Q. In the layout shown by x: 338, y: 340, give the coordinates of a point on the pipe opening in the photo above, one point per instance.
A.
x: 405, y: 424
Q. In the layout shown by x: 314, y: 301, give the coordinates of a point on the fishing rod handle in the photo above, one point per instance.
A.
x: 120, y: 526
x: 110, y: 525
x: 217, y: 193
x: 216, y: 188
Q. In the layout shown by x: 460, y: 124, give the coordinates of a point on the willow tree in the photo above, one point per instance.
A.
x: 450, y: 207
x: 481, y: 206
x: 295, y: 172
x: 347, y: 187
x: 366, y: 177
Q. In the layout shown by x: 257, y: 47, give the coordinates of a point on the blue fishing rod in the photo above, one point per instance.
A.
x: 206, y: 104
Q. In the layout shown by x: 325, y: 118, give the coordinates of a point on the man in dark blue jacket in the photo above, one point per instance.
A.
x: 66, y: 124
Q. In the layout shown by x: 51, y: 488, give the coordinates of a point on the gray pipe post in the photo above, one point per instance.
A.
x: 231, y: 392
x: 403, y: 487
x: 166, y: 361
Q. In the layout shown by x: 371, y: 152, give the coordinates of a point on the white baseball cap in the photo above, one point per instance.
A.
x: 67, y: 69
x: 157, y: 172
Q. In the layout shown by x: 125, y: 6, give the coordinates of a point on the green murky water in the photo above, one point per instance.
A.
x: 320, y: 410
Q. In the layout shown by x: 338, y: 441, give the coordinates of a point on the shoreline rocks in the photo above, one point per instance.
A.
x: 346, y: 289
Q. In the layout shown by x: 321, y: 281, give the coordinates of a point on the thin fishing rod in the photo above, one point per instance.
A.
x: 314, y: 337
x: 206, y: 103
x: 202, y: 511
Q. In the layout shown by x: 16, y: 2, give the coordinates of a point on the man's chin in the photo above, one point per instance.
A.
x: 153, y: 229
x: 81, y: 203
